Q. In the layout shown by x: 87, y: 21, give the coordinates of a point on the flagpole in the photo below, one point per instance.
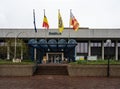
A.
x: 70, y: 17
x: 58, y: 20
x: 69, y: 24
x: 34, y: 22
x: 45, y: 27
x: 44, y: 11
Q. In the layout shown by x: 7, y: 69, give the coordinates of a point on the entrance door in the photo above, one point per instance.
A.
x: 55, y: 57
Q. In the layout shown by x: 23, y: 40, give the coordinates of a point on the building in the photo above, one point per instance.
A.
x: 51, y: 45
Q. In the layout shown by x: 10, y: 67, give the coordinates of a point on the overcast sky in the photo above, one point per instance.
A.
x: 89, y: 13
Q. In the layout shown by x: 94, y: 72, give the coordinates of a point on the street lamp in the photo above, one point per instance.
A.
x: 108, y: 44
x: 8, y: 48
x: 16, y: 45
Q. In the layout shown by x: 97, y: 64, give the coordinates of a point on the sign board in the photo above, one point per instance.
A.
x: 92, y: 58
x: 55, y: 33
x: 80, y: 58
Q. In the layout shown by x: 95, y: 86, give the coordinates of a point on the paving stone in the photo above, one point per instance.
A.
x: 59, y: 82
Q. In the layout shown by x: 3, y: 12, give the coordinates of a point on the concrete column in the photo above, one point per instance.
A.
x: 116, y: 50
x: 62, y: 56
x: 8, y: 52
x: 47, y: 56
x: 21, y: 52
x: 89, y: 48
x: 35, y: 54
x: 103, y: 50
x: 75, y: 53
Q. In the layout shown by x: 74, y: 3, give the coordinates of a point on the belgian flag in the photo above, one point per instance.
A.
x: 45, y: 22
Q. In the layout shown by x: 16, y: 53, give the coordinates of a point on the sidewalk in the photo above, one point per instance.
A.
x: 59, y: 82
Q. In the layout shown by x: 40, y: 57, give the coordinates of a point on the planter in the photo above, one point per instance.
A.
x: 17, y: 70
x: 93, y: 70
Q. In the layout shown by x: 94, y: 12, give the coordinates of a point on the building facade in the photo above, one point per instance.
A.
x: 52, y: 45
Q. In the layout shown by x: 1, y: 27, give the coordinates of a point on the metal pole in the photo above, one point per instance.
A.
x: 108, y: 62
x: 69, y: 24
x: 108, y: 65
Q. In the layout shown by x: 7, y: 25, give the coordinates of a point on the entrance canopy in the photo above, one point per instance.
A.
x: 53, y: 44
x: 53, y: 49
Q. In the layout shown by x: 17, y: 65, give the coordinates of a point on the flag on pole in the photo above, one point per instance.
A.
x: 73, y: 22
x: 34, y: 20
x: 60, y: 23
x: 45, y: 22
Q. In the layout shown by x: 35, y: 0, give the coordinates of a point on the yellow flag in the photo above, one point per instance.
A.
x: 60, y: 23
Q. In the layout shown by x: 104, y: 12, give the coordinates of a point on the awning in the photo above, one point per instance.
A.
x: 53, y: 44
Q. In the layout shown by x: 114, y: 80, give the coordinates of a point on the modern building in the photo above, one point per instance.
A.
x: 54, y: 46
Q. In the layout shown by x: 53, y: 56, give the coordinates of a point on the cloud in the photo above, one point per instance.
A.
x: 90, y: 13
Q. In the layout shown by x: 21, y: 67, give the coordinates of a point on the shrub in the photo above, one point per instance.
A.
x: 95, y: 62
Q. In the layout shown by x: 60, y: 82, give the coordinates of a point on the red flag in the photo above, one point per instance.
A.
x: 74, y: 22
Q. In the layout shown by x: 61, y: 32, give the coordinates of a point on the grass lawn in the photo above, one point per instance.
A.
x: 23, y: 62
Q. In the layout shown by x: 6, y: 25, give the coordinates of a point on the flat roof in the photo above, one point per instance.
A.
x: 82, y: 33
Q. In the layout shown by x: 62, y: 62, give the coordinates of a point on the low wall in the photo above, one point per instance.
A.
x: 93, y: 70
x: 115, y: 70
x: 17, y: 70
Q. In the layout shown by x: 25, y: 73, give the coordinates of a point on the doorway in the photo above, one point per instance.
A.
x: 55, y: 57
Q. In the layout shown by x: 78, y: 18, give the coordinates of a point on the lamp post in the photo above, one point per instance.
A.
x: 16, y: 45
x: 8, y: 48
x: 108, y: 44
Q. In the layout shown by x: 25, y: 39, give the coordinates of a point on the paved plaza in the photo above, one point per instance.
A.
x: 59, y: 82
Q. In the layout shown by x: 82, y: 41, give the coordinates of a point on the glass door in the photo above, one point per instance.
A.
x: 55, y: 57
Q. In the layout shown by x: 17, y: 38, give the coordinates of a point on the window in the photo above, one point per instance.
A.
x: 82, y: 48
